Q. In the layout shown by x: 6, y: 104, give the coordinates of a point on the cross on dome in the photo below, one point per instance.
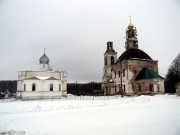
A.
x: 44, y: 50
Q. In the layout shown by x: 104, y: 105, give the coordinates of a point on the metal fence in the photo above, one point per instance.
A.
x: 69, y: 97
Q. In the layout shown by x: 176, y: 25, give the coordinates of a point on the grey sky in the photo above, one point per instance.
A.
x: 75, y: 33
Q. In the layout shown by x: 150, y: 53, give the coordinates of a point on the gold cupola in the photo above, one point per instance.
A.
x: 130, y: 26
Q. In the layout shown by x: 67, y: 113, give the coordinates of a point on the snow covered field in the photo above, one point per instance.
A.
x: 143, y: 115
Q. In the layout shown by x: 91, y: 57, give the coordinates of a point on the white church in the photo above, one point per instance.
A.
x: 41, y: 84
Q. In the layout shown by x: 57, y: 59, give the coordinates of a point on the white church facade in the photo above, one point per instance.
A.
x: 41, y: 84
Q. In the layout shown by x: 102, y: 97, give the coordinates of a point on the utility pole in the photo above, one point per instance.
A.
x: 120, y: 87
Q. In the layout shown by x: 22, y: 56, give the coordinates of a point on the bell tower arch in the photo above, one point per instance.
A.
x: 110, y: 57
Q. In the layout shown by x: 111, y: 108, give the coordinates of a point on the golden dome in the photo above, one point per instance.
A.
x: 130, y: 26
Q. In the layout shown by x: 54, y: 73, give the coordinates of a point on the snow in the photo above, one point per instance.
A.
x: 42, y: 78
x: 149, y: 115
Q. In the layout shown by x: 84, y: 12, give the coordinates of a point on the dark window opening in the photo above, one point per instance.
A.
x: 123, y: 72
x: 51, y: 87
x: 33, y: 87
x: 151, y: 87
x: 24, y: 87
x: 158, y: 87
x: 119, y: 73
x: 112, y: 60
x: 134, y: 43
x: 59, y: 87
x: 124, y: 89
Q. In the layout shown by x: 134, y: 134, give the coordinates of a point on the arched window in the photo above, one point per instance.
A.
x: 33, y: 87
x: 124, y: 89
x: 59, y: 87
x: 24, y: 87
x: 112, y: 60
x: 124, y: 73
x: 158, y: 87
x: 51, y: 87
x: 151, y: 87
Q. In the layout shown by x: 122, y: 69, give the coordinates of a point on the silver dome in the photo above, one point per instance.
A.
x: 44, y: 59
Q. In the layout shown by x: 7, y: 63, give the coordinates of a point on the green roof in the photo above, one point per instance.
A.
x: 146, y: 73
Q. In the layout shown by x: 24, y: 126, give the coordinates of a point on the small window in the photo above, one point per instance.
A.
x: 51, y: 87
x: 114, y: 74
x: 112, y: 60
x: 124, y: 88
x: 24, y: 87
x: 59, y: 87
x: 123, y: 72
x: 43, y: 66
x: 151, y: 87
x: 158, y: 87
x: 119, y: 73
x: 33, y: 87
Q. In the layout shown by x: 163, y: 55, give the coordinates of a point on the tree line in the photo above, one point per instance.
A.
x: 83, y: 88
x: 8, y: 86
x: 173, y: 76
x: 72, y: 88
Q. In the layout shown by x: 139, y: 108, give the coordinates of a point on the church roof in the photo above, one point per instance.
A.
x: 32, y: 78
x: 52, y: 78
x: 146, y: 73
x: 134, y: 53
x: 44, y: 59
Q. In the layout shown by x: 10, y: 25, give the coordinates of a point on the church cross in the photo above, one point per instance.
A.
x: 44, y: 50
x: 130, y: 18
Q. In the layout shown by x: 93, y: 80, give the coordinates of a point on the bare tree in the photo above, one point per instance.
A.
x: 173, y: 76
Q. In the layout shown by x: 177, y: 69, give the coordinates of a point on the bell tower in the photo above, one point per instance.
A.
x: 110, y: 57
x: 131, y: 37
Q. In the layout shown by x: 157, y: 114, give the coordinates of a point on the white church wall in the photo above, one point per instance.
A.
x: 40, y: 94
x: 41, y: 85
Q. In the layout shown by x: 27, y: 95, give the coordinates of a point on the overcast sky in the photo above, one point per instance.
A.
x: 75, y: 33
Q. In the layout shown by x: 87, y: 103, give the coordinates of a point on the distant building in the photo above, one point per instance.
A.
x: 41, y: 84
x: 134, y: 72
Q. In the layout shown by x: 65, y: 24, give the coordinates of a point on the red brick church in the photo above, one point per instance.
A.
x: 134, y: 72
